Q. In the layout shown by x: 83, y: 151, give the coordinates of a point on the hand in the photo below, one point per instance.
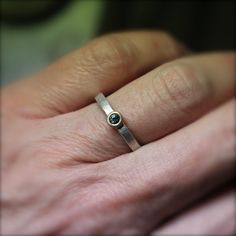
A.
x: 65, y: 171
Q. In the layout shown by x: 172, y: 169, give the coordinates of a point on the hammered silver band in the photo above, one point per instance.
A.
x: 114, y: 119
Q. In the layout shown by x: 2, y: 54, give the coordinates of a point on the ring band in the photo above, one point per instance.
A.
x: 114, y: 119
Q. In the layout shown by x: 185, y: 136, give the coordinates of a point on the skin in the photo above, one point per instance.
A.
x: 213, y: 216
x: 66, y: 172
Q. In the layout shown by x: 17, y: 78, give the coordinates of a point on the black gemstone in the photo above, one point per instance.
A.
x: 114, y: 118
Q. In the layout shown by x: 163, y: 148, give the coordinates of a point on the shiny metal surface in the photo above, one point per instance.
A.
x: 120, y: 126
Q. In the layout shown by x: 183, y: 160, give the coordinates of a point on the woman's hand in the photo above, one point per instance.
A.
x: 65, y: 171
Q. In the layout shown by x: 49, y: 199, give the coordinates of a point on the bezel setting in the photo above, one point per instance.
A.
x: 119, y: 123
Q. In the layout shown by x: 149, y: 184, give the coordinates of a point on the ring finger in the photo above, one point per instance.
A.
x: 152, y: 106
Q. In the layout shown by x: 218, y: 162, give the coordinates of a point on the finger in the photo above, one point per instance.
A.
x: 105, y: 64
x: 152, y: 106
x: 220, y: 209
x: 172, y: 172
x: 175, y: 94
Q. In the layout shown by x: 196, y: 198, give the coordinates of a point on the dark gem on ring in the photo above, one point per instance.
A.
x: 114, y: 118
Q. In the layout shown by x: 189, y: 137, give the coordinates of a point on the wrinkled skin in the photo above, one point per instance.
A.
x: 65, y: 171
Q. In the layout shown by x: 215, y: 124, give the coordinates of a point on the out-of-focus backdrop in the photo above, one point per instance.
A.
x: 36, y: 32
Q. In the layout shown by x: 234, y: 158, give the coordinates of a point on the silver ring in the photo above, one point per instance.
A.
x: 114, y: 119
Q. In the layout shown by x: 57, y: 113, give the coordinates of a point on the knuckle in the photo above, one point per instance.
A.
x: 165, y: 35
x: 182, y: 86
x: 174, y: 48
x: 108, y: 53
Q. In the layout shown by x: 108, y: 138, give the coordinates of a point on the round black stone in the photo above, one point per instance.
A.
x: 114, y: 118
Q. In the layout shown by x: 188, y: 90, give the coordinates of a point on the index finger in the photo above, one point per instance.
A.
x: 105, y: 64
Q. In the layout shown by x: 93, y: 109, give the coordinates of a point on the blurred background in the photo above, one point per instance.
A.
x: 36, y: 32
